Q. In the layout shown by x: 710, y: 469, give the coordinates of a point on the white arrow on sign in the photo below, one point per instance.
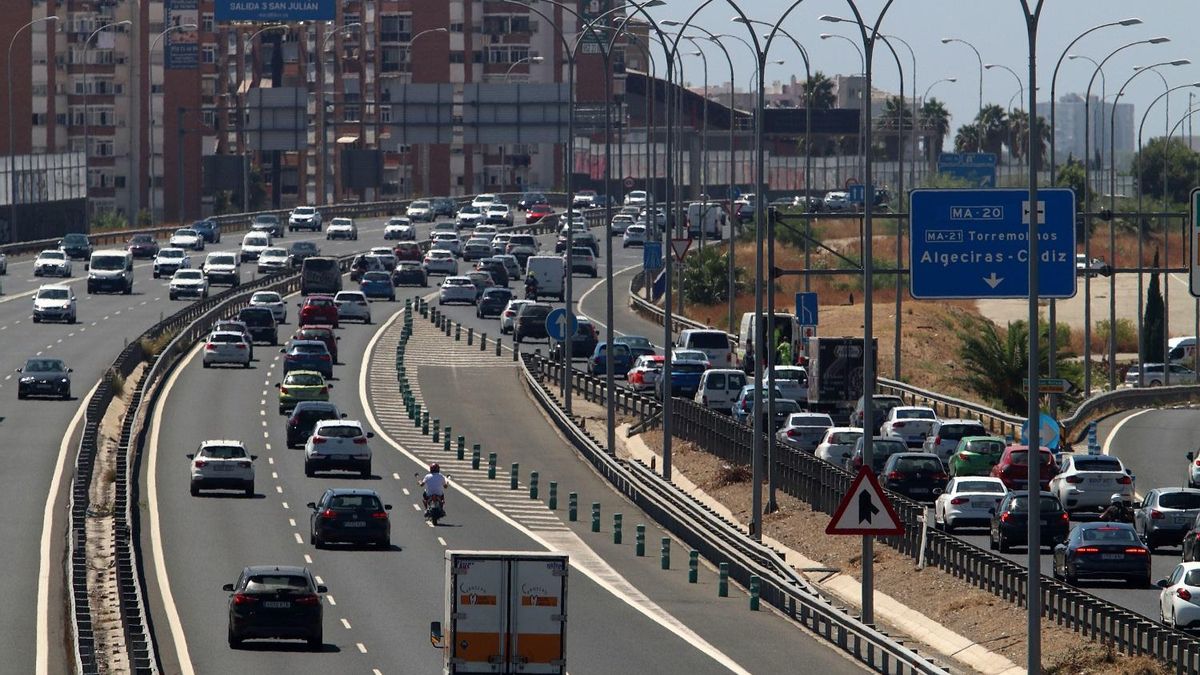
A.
x: 1025, y: 212
x: 993, y: 280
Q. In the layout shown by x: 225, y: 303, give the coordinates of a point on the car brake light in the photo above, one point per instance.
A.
x: 1065, y: 517
x: 324, y: 357
x: 317, y: 440
x: 1005, y: 517
x: 200, y: 464
x: 329, y: 514
x: 792, y: 433
x: 243, y: 599
x: 1087, y: 549
x: 382, y: 515
x: 1124, y: 480
x: 894, y: 475
x: 243, y: 465
x: 964, y: 456
x: 210, y: 347
x: 957, y: 501
x: 940, y: 476
x: 1155, y: 514
x: 937, y: 440
x: 324, y: 390
x: 1136, y: 550
x: 241, y: 345
x: 1074, y: 480
x: 360, y: 441
x: 1183, y: 594
x: 307, y: 600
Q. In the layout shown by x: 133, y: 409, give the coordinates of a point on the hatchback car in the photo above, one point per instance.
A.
x: 493, y: 302
x: 446, y: 241
x: 52, y: 263
x: 320, y: 332
x: 469, y: 216
x: 1179, y: 599
x: 638, y: 345
x: 635, y: 235
x: 222, y: 465
x: 272, y: 301
x: 44, y: 377
x: 353, y: 305
x: 476, y: 248
x: 77, y: 246
x: 1087, y: 482
x: 457, y: 289
x: 945, y: 434
x: 742, y: 407
x: 537, y: 213
x: 377, y: 285
x: 342, y: 228
x: 55, y: 302
x: 509, y: 315
x: 408, y: 273
x: 209, y: 229
x: 142, y: 246
x: 975, y: 455
x: 304, y: 418
x: 916, y: 475
x: 804, y: 431
x: 498, y: 214
x: 400, y: 229
x: 275, y: 601
x: 644, y: 374
x: 622, y: 360
x: 1165, y: 515
x: 439, y: 261
x: 511, y: 265
x: 911, y: 423
x: 226, y: 348
x: 318, y: 309
x: 301, y: 385
x: 351, y: 516
x: 338, y: 445
x: 497, y: 269
x: 170, y: 260
x: 268, y: 223
x: 260, y: 322
x: 968, y: 502
x: 188, y: 284
x: 1103, y: 551
x: 307, y: 355
x: 530, y: 322
x: 1013, y: 467
x: 882, y: 447
x: 188, y: 238
x: 1009, y: 525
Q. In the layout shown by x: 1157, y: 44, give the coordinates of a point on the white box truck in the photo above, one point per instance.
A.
x: 506, y: 613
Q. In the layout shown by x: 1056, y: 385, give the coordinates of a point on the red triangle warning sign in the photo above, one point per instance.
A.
x: 680, y: 247
x: 865, y: 510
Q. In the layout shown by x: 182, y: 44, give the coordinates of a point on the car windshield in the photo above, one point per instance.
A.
x: 305, y: 379
x: 985, y: 486
x: 915, y: 414
x: 810, y: 421
x: 341, y: 431
x: 708, y: 340
x: 349, y: 296
x: 419, y: 205
x: 1021, y: 457
x: 273, y: 253
x: 141, y: 239
x: 185, y: 233
x: 304, y: 210
x: 845, y: 437
x: 225, y: 337
x: 108, y: 262
x: 341, y: 222
x: 315, y: 348
x: 377, y: 277
x: 53, y: 255
x: 75, y: 239
x: 189, y: 275
x: 223, y: 451
x: 986, y: 447
x: 43, y: 366
x: 1179, y: 500
x: 222, y: 260
x: 459, y: 282
x: 500, y: 295
x: 54, y: 294
x: 355, y: 502
x: 254, y: 240
x: 277, y: 583
x: 235, y: 326
x: 1116, y: 535
x: 534, y: 312
x: 266, y: 298
x: 634, y: 341
x: 265, y: 219
x: 913, y: 464
x: 303, y: 247
x: 440, y: 254
x: 1098, y: 464
x: 954, y: 432
x: 170, y: 253
x: 1021, y: 503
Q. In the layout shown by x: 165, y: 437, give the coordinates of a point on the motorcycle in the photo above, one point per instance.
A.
x: 435, y: 508
x: 531, y: 290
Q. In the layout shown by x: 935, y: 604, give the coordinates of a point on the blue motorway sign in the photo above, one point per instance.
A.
x: 975, y: 243
x: 977, y: 168
x: 856, y: 194
x: 652, y: 258
x: 806, y: 308
x: 274, y: 10
x: 557, y: 323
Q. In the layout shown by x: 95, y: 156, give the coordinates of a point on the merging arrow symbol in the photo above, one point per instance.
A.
x: 993, y: 280
x: 866, y: 507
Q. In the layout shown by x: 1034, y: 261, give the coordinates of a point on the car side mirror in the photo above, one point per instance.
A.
x: 191, y: 455
x: 370, y: 434
x: 1162, y: 583
x: 1191, y: 456
x: 283, y: 351
x: 345, y: 415
x: 253, y: 457
x: 276, y: 385
x: 435, y: 634
x: 312, y: 505
x: 228, y: 588
x: 337, y: 337
x: 387, y: 507
x: 322, y: 589
x: 329, y: 385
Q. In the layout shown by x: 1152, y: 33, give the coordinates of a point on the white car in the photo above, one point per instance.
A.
x: 838, y: 445
x: 498, y: 214
x: 273, y: 260
x: 583, y: 261
x: 509, y: 315
x: 352, y: 305
x: 169, y: 260
x: 1179, y: 599
x: 189, y: 284
x: 1088, y: 482
x: 484, y: 231
x: 483, y: 201
x: 272, y: 301
x: 304, y: 218
x: 476, y: 248
x: 646, y: 371
x: 419, y: 210
x: 909, y: 422
x: 457, y: 289
x: 469, y: 216
x: 338, y: 444
x: 342, y: 228
x: 620, y: 223
x: 187, y: 238
x: 222, y: 267
x: 446, y: 241
x: 227, y: 347
x: 385, y: 256
x: 400, y: 229
x: 967, y: 501
x: 54, y: 302
x: 440, y: 261
x: 253, y: 244
x: 804, y: 431
x: 635, y: 235
x: 500, y: 244
x: 636, y: 198
x: 222, y: 465
x: 52, y: 263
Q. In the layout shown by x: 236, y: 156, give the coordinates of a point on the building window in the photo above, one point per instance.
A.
x: 208, y: 118
x: 385, y: 113
x: 39, y: 119
x: 119, y: 181
x: 458, y: 57
x: 517, y: 54
x: 102, y: 147
x: 208, y: 54
x: 456, y: 27
x: 498, y: 55
x: 479, y: 56
x: 350, y: 113
x: 395, y: 28
x: 206, y: 22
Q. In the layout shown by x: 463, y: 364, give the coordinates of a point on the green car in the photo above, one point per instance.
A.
x: 301, y: 385
x: 976, y: 455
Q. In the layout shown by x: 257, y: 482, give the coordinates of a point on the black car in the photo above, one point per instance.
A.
x: 530, y: 199
x: 496, y: 268
x: 142, y: 246
x: 44, y: 377
x: 76, y: 246
x: 583, y: 342
x: 209, y: 229
x: 1010, y: 521
x: 408, y: 273
x: 1103, y: 550
x: 916, y: 475
x: 275, y: 601
x: 492, y: 302
x: 304, y: 418
x: 260, y: 321
x: 350, y: 515
x: 530, y: 323
x: 301, y: 250
x: 269, y: 223
x: 442, y: 206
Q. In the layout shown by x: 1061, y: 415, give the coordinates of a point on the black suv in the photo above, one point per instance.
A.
x: 583, y: 342
x: 76, y: 246
x: 275, y: 601
x: 530, y: 323
x: 408, y: 273
x: 492, y: 302
x: 260, y: 321
x: 304, y: 418
x: 1011, y: 518
x: 496, y: 268
x: 916, y: 475
x: 350, y: 515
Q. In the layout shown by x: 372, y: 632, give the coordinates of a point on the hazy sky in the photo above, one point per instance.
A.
x: 995, y: 27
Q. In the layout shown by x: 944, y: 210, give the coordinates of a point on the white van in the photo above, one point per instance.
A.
x: 110, y: 271
x: 705, y: 220
x: 789, y: 327
x: 719, y: 388
x: 1182, y: 350
x: 714, y: 344
x: 550, y: 272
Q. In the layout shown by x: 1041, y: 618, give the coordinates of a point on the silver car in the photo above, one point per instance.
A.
x: 1155, y: 377
x: 227, y: 348
x: 804, y: 431
x: 1165, y: 515
x: 222, y: 465
x: 944, y: 436
x: 352, y: 305
x: 457, y: 289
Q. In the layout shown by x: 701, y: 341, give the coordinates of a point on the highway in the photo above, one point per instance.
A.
x: 45, y: 432
x: 377, y: 617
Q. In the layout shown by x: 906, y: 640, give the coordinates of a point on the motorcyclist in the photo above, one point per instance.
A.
x: 1118, y: 511
x: 434, y: 484
x: 531, y: 285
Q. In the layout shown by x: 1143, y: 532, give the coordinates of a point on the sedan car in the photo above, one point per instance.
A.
x: 1179, y: 599
x: 620, y: 223
x: 222, y: 465
x: 319, y: 309
x: 187, y: 238
x: 77, y: 246
x: 275, y: 601
x: 646, y: 371
x: 1103, y: 551
x: 142, y: 246
x: 838, y: 445
x: 301, y: 385
x: 530, y: 322
x: 457, y: 289
x: 226, y: 348
x: 400, y: 229
x: 420, y: 210
x: 304, y: 418
x: 469, y: 216
x: 440, y: 262
x: 338, y: 445
x: 188, y: 284
x: 498, y: 214
x: 537, y: 213
x: 44, y: 377
x: 268, y: 223
x: 342, y: 228
x: 52, y: 263
x: 1165, y: 515
x: 882, y: 447
x: 408, y: 273
x: 968, y: 501
x: 1087, y: 482
x: 493, y: 302
x: 349, y: 515
x: 169, y: 260
x: 253, y: 244
x: 54, y: 302
x: 975, y: 455
x: 1010, y: 522
x: 272, y: 301
x: 804, y: 431
x: 377, y: 285
x: 408, y: 250
x: 273, y: 260
x: 911, y: 423
x: 307, y: 355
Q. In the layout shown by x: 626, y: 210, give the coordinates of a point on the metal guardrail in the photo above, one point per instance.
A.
x: 1109, y: 402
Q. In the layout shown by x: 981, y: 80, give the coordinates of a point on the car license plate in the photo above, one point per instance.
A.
x: 1096, y: 481
x: 222, y: 467
x: 360, y: 523
x: 1182, y: 520
x: 276, y: 604
x: 920, y: 491
x: 1111, y: 556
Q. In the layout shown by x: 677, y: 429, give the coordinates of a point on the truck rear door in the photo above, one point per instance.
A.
x: 538, y: 631
x: 477, y: 614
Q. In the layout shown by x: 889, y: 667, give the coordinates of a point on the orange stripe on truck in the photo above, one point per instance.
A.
x: 476, y: 647
x: 538, y: 647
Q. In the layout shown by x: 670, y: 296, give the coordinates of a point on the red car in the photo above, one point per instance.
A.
x: 408, y: 250
x: 318, y: 309
x: 1013, y: 468
x: 537, y: 212
x: 321, y: 333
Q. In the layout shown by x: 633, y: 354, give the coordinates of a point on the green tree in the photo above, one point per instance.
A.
x: 706, y: 276
x: 1071, y: 175
x: 1182, y: 166
x: 935, y: 120
x: 108, y: 220
x: 996, y: 361
x: 1153, y: 327
x: 1018, y: 135
x: 895, y: 119
x: 994, y: 125
x: 966, y: 139
x: 821, y: 86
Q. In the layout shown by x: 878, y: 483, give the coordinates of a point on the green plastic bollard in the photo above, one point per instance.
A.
x: 754, y: 590
x: 461, y: 444
x: 553, y: 496
x: 425, y: 423
x: 513, y: 473
x: 417, y: 416
x: 498, y: 346
x: 595, y: 516
x: 476, y: 452
x: 470, y: 336
x: 458, y: 331
x: 665, y: 553
x: 640, y: 541
x: 572, y: 507
x: 491, y: 466
x: 437, y: 426
x: 461, y: 451
x: 446, y: 439
x: 723, y: 580
x: 533, y: 485
x: 693, y: 566
x: 616, y: 528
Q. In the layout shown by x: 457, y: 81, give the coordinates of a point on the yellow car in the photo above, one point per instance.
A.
x: 301, y: 385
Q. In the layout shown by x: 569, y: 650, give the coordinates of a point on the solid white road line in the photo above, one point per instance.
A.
x: 42, y: 659
x: 1113, y: 434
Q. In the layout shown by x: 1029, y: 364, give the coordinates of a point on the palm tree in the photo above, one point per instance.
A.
x: 895, y: 119
x: 822, y: 91
x: 993, y: 122
x: 935, y: 120
x: 996, y: 363
x: 966, y: 139
x: 1018, y: 142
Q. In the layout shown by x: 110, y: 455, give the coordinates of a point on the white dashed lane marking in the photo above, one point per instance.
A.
x: 292, y: 522
x: 308, y: 559
x: 285, y: 505
x: 279, y: 489
x: 298, y: 539
x: 346, y: 624
x: 441, y: 541
x: 361, y: 647
x: 332, y: 602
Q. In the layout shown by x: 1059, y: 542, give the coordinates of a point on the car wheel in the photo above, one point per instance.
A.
x: 365, y: 472
x: 308, y: 471
x: 282, y: 410
x: 234, y: 639
x: 249, y: 489
x: 195, y: 490
x: 1002, y: 544
x: 316, y: 641
x: 206, y: 364
x: 66, y: 396
x: 386, y: 542
x: 246, y: 364
x: 36, y: 320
